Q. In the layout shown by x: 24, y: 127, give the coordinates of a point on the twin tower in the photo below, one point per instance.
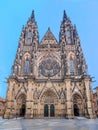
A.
x: 49, y: 78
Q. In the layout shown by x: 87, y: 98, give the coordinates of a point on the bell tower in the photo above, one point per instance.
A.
x: 72, y: 55
x: 28, y: 43
x: 75, y: 68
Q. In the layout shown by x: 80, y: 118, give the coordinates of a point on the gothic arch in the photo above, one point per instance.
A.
x: 21, y: 96
x: 21, y: 104
x: 49, y: 96
x: 71, y: 55
x: 78, y: 105
x: 21, y: 91
x: 45, y: 90
x: 26, y: 55
x: 77, y: 93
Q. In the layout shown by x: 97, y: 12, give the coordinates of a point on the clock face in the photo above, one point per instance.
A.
x: 49, y: 67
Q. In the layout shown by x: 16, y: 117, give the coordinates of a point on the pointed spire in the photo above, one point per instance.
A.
x: 64, y: 15
x: 48, y: 28
x: 32, y: 15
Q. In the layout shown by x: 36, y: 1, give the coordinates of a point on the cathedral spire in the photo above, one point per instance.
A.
x: 32, y: 15
x: 65, y: 15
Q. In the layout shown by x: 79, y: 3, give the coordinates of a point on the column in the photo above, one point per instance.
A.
x: 9, y: 103
x: 29, y: 100
x: 69, y: 113
x: 89, y: 98
x: 39, y: 109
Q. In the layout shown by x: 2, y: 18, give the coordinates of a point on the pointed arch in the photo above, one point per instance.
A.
x: 46, y: 90
x: 21, y: 104
x: 21, y: 96
x: 49, y: 96
x: 78, y: 105
x: 21, y: 90
x: 77, y: 93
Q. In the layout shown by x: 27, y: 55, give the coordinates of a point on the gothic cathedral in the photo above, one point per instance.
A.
x: 49, y: 78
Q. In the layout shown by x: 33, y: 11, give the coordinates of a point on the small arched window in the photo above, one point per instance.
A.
x: 71, y: 65
x: 27, y: 66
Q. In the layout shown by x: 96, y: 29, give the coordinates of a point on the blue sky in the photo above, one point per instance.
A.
x: 15, y: 13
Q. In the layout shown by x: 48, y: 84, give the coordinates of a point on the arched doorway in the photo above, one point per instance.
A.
x: 77, y: 105
x: 49, y: 98
x: 52, y: 110
x: 23, y: 110
x: 21, y: 105
x: 46, y: 110
x: 76, y: 110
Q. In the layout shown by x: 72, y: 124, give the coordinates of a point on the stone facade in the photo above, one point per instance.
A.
x: 49, y: 78
x: 95, y: 101
x: 2, y: 106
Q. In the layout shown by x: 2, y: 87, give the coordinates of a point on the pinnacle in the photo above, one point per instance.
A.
x: 48, y: 28
x: 75, y: 30
x: 64, y: 15
x: 32, y: 15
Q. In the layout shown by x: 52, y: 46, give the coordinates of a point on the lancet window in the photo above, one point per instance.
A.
x: 71, y: 65
x: 27, y: 66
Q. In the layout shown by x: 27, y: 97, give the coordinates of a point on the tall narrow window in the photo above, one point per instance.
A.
x: 71, y: 66
x: 27, y: 64
x: 68, y: 33
x: 29, y: 35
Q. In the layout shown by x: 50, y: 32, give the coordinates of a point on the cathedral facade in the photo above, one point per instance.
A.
x: 49, y: 78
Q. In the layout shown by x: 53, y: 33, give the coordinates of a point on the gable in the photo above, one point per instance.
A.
x: 49, y: 38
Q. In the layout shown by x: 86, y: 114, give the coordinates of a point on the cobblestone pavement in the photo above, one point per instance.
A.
x: 48, y: 124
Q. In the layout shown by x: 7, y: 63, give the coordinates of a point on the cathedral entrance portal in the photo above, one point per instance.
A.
x: 50, y: 99
x: 22, y: 110
x: 21, y: 105
x: 49, y: 110
x: 76, y: 110
x: 77, y: 105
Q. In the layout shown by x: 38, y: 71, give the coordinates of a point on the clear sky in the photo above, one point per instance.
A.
x: 15, y: 13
